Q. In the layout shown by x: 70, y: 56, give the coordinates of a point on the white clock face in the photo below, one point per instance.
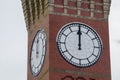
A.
x: 79, y: 44
x: 38, y: 52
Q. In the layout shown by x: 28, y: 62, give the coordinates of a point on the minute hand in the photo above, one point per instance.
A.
x: 79, y: 38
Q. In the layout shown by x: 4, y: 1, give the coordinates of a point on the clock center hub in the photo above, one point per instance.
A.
x: 84, y: 51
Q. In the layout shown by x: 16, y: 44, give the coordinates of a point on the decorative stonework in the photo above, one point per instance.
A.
x: 87, y: 9
x: 34, y: 11
x: 26, y: 10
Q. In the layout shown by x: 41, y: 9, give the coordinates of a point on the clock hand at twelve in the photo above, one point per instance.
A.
x: 37, y: 48
x: 79, y: 38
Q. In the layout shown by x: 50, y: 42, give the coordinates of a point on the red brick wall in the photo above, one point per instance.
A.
x: 94, y: 9
x: 101, y: 69
x: 31, y: 34
x: 91, y: 12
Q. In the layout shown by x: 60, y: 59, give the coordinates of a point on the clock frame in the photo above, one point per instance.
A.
x: 38, y: 51
x: 79, y: 44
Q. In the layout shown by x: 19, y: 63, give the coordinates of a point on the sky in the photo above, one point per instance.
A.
x: 13, y: 40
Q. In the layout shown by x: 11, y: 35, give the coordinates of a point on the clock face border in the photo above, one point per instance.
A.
x: 39, y: 31
x: 89, y: 27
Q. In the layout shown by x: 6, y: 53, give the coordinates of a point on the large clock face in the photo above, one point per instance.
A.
x: 79, y: 44
x: 38, y: 52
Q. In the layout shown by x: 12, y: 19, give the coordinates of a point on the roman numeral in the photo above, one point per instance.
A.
x: 70, y: 29
x: 64, y: 34
x: 79, y: 61
x: 71, y: 58
x: 62, y: 42
x: 64, y: 51
x: 94, y: 38
x: 96, y: 47
x: 87, y: 32
x: 94, y: 55
x: 88, y: 60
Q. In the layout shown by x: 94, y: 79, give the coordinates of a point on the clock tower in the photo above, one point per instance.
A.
x: 67, y: 39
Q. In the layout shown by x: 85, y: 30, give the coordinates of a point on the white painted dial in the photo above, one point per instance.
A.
x: 79, y: 44
x: 38, y: 52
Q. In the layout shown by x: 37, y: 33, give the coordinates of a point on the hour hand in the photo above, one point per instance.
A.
x: 37, y: 48
x: 79, y: 38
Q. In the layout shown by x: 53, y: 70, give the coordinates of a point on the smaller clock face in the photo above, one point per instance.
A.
x: 38, y: 52
x: 79, y: 44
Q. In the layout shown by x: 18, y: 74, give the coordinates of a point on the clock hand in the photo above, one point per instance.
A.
x: 79, y: 38
x: 37, y: 47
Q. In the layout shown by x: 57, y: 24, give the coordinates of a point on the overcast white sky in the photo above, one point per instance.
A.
x: 13, y: 40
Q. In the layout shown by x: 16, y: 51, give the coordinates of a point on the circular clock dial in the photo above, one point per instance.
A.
x: 79, y: 44
x: 38, y: 52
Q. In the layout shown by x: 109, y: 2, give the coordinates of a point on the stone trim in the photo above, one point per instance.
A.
x: 104, y: 10
x: 77, y: 16
x: 80, y: 73
x: 33, y: 11
x: 26, y: 11
x: 106, y: 7
x: 87, y: 9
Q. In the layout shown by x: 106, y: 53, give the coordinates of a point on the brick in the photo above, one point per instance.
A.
x: 98, y: 7
x: 71, y: 11
x: 100, y: 1
x: 71, y: 3
x: 98, y: 15
x: 85, y: 5
x: 85, y: 13
x: 59, y: 10
x: 59, y: 2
